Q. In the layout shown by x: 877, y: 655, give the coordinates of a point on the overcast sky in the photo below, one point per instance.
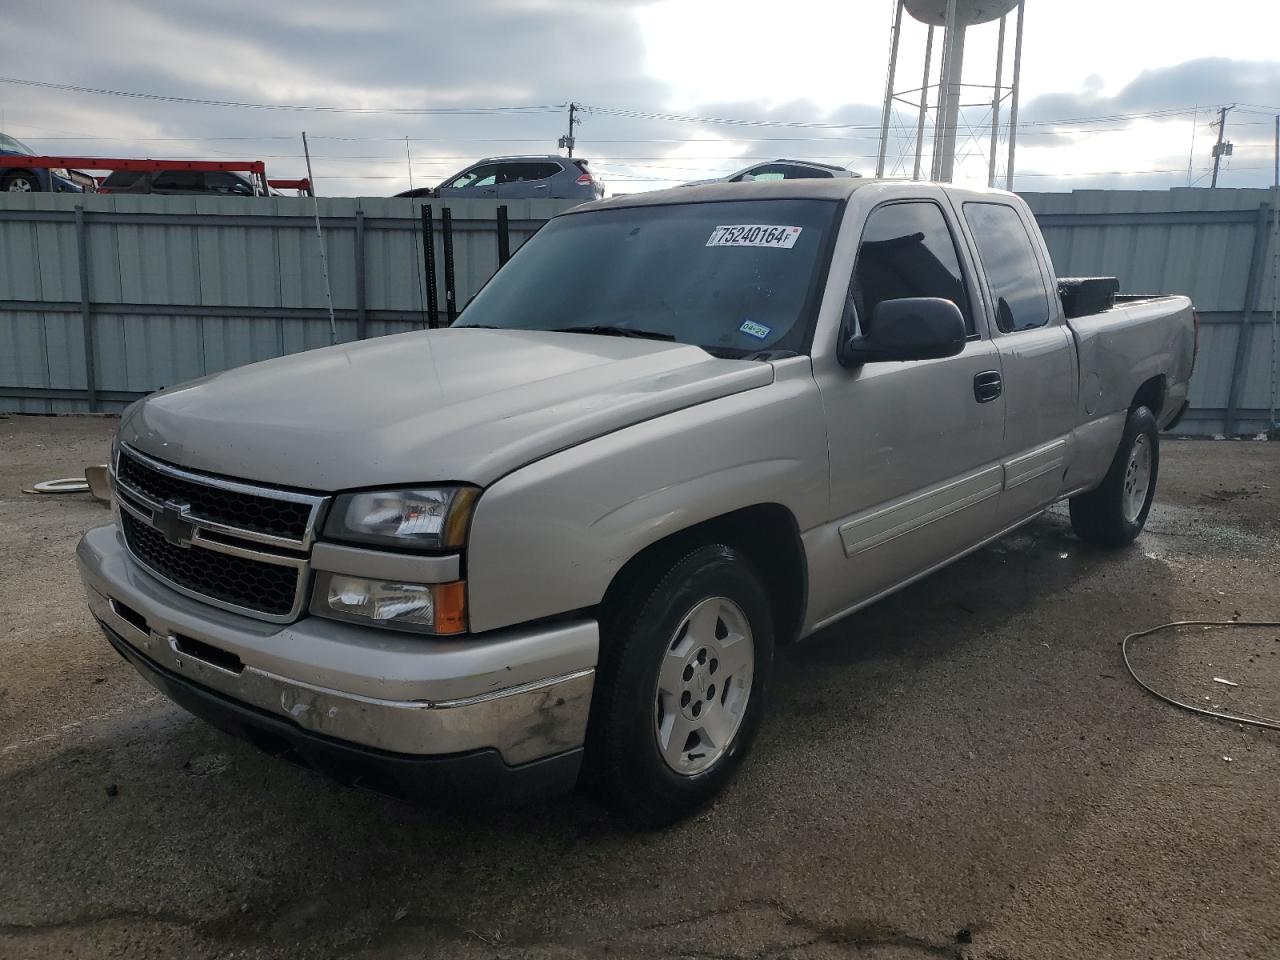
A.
x: 1115, y: 93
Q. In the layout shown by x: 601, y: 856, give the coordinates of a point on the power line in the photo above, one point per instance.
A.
x: 594, y: 140
x: 822, y: 125
x: 200, y: 101
x: 524, y: 109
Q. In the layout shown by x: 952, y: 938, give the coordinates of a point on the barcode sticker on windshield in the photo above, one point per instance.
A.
x: 754, y: 235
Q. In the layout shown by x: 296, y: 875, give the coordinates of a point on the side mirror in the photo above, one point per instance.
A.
x: 913, y: 328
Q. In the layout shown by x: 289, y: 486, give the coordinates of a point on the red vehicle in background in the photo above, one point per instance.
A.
x: 246, y: 178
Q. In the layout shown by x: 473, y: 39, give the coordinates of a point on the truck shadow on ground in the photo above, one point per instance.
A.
x: 930, y: 749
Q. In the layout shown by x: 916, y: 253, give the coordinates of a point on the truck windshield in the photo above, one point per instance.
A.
x: 734, y: 277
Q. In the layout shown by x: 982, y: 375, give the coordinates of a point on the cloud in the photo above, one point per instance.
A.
x: 1209, y: 81
x: 522, y: 53
x: 397, y: 54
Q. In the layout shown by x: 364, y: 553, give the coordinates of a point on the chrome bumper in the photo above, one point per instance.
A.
x: 525, y: 692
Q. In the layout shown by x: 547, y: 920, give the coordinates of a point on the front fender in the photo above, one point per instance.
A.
x: 550, y: 537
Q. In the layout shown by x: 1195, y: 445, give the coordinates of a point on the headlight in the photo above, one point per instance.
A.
x: 439, y: 608
x: 426, y: 518
x: 61, y: 172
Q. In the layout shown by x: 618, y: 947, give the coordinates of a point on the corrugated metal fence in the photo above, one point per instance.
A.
x: 106, y: 298
x: 171, y: 288
x: 1212, y: 245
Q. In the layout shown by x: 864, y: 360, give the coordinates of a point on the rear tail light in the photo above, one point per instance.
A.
x: 586, y: 179
x: 104, y: 189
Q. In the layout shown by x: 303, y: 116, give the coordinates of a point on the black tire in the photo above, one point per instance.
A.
x: 20, y: 181
x: 1100, y: 515
x: 624, y: 761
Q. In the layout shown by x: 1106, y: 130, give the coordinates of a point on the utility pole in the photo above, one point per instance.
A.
x: 1222, y: 147
x: 324, y: 253
x: 566, y: 142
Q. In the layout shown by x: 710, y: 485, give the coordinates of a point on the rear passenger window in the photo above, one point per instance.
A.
x: 1013, y: 272
x: 178, y: 180
x: 907, y: 251
x: 524, y: 172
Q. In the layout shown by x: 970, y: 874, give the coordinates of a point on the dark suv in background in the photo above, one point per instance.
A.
x: 519, y: 178
x: 185, y: 182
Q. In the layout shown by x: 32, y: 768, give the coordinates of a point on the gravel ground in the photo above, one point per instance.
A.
x: 963, y: 770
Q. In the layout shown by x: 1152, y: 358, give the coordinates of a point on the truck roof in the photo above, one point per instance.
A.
x: 835, y: 188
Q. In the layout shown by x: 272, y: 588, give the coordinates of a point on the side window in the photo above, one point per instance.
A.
x: 187, y: 181
x: 907, y: 251
x: 1013, y: 272
x: 768, y: 171
x: 220, y: 182
x: 792, y: 172
x: 524, y: 172
x: 119, y: 179
x: 780, y: 171
x: 482, y: 176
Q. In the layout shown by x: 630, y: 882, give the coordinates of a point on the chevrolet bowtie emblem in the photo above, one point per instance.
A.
x: 172, y: 523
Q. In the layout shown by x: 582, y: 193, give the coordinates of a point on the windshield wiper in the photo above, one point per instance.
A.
x: 606, y: 331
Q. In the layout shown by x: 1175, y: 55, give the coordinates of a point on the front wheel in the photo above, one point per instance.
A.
x: 688, y: 651
x: 20, y: 181
x: 1115, y: 513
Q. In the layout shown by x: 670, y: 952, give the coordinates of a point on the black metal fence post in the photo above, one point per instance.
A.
x: 504, y: 236
x: 450, y: 291
x: 86, y: 313
x: 429, y: 258
x: 1252, y: 287
x: 362, y: 313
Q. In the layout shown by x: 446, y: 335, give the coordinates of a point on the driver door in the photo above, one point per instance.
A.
x: 914, y: 448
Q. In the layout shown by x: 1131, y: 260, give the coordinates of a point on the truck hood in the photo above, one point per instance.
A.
x: 460, y: 404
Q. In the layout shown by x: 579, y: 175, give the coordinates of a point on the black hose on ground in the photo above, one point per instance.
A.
x: 1249, y: 719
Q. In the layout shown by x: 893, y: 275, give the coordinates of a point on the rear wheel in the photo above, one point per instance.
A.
x: 1115, y: 513
x: 681, y: 686
x: 20, y: 181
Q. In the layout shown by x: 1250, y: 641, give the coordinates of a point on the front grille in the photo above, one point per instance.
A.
x: 265, y: 587
x: 232, y: 508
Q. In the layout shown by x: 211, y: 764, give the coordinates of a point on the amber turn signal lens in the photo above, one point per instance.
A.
x: 451, y: 607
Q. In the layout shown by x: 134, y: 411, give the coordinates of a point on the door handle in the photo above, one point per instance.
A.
x: 987, y: 386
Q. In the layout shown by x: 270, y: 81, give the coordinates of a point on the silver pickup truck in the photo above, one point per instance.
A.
x: 561, y: 539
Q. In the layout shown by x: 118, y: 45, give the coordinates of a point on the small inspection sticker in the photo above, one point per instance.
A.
x: 754, y: 235
x: 757, y: 330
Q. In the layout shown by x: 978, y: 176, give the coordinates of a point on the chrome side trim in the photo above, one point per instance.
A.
x: 884, y: 523
x: 381, y: 565
x: 1035, y: 464
x: 234, y: 486
x: 880, y: 595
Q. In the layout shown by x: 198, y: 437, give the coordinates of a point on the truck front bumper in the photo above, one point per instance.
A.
x: 503, y: 716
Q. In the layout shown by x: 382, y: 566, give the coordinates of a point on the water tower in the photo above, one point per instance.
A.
x: 954, y: 17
